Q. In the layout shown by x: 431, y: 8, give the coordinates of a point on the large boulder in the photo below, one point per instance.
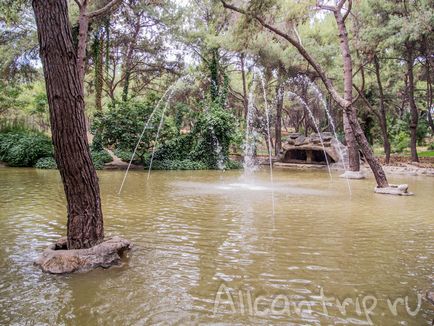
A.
x: 56, y: 259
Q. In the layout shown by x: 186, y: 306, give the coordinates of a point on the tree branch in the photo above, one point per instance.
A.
x: 103, y: 10
x: 327, y: 82
x: 368, y: 105
x: 78, y: 3
x: 350, y: 4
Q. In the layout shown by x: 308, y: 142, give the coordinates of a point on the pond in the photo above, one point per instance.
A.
x: 214, y: 247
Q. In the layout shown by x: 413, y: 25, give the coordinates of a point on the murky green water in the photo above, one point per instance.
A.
x: 196, y: 233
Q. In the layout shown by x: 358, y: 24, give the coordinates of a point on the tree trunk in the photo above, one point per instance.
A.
x: 243, y: 78
x: 99, y: 78
x: 353, y: 151
x: 83, y: 27
x: 350, y: 111
x: 129, y: 57
x: 414, y: 114
x: 353, y: 148
x: 278, y: 123
x: 429, y: 92
x: 382, y: 115
x: 66, y: 105
x: 377, y: 170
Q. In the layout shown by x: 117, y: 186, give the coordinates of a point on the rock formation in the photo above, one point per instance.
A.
x: 56, y: 259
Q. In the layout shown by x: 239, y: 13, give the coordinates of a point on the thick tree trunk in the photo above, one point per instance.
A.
x: 66, y: 104
x: 382, y: 115
x: 377, y: 170
x: 353, y: 148
x: 414, y: 113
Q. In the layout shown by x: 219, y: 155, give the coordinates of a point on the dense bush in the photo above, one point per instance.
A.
x: 46, y: 163
x: 122, y: 124
x: 178, y: 165
x: 233, y: 165
x: 400, y: 142
x: 178, y: 148
x: 214, y: 132
x: 207, y: 144
x: 125, y: 155
x: 99, y: 158
x: 24, y: 148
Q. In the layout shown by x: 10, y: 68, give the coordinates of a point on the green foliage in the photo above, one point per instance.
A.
x: 400, y: 142
x: 400, y: 136
x: 178, y: 165
x: 97, y: 143
x: 214, y: 132
x: 14, y: 126
x: 125, y: 155
x: 233, y: 165
x: 99, y: 158
x: 123, y: 123
x: 208, y: 143
x: 426, y: 154
x: 431, y: 147
x: 9, y: 97
x: 46, y: 163
x: 178, y: 148
x: 24, y: 148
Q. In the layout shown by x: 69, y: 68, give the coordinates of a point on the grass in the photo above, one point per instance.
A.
x: 426, y: 154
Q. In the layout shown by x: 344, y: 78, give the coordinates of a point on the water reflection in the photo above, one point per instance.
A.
x: 194, y: 231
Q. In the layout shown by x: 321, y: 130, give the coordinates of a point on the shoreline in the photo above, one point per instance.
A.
x: 408, y: 169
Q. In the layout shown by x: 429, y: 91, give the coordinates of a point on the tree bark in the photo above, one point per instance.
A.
x: 382, y: 115
x: 350, y: 111
x: 429, y: 92
x: 83, y: 27
x: 99, y: 71
x: 243, y: 78
x: 353, y: 150
x: 278, y: 123
x: 66, y: 106
x: 414, y: 113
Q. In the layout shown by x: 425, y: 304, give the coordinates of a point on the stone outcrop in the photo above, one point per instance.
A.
x: 309, y: 150
x: 56, y: 259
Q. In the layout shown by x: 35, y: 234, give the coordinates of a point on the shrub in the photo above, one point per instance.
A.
x: 233, y: 165
x: 99, y: 158
x: 431, y: 147
x: 125, y: 156
x: 213, y: 129
x: 400, y: 142
x: 46, y: 163
x: 178, y: 148
x: 178, y: 165
x: 122, y: 125
x: 24, y: 148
